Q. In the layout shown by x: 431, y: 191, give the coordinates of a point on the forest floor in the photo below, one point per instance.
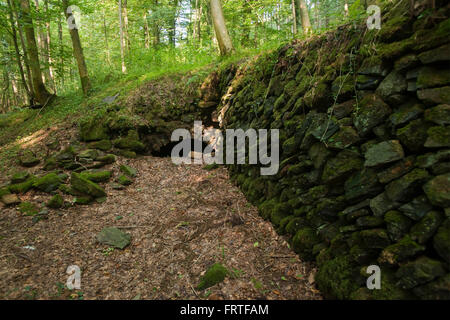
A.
x: 182, y: 219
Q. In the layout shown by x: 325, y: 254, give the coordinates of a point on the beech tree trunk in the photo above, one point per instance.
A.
x: 122, y: 45
x: 223, y: 38
x: 41, y: 93
x: 78, y: 52
x: 304, y: 16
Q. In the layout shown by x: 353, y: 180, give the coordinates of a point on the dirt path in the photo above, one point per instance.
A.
x: 182, y: 219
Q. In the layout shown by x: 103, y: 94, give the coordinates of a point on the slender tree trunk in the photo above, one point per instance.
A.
x: 48, y: 43
x: 16, y: 47
x: 304, y: 15
x: 40, y: 91
x: 61, y: 51
x: 156, y: 36
x: 105, y: 31
x: 294, y: 18
x: 146, y: 32
x: 223, y: 38
x: 125, y: 21
x: 122, y: 49
x: 78, y: 51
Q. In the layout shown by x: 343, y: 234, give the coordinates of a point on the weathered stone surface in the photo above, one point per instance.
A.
x: 406, y: 112
x: 394, y: 84
x: 10, y: 199
x: 362, y: 184
x: 438, y: 137
x: 436, y: 290
x: 374, y: 238
x: 418, y: 272
x: 441, y: 240
x: 343, y: 109
x: 371, y: 112
x: 430, y: 159
x: 406, y: 62
x: 28, y: 159
x: 322, y: 127
x: 96, y: 176
x: 406, y: 187
x: 382, y: 204
x: 344, y: 138
x: 130, y: 142
x: 374, y: 66
x: 430, y: 77
x: 413, y: 135
x: 400, y: 251
x: 103, y: 145
x: 397, y: 170
x: 441, y: 168
x: 114, y: 237
x: 417, y: 208
x: 425, y: 229
x: 318, y: 154
x: 304, y: 241
x: 369, y: 222
x: 439, y: 54
x: 435, y: 95
x: 86, y: 186
x: 48, y: 183
x: 384, y: 152
x: 397, y: 225
x: 364, y: 82
x: 124, y: 180
x: 345, y: 163
x: 439, y: 114
x: 438, y: 190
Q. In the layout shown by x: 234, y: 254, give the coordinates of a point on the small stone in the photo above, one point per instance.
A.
x: 438, y: 190
x: 384, y: 152
x: 214, y: 275
x: 435, y: 290
x: 56, y: 202
x: 124, y: 180
x: 342, y: 110
x: 406, y: 112
x: 129, y: 171
x: 48, y: 183
x: 430, y: 159
x: 369, y: 222
x: 86, y: 186
x: 10, y: 199
x: 406, y: 62
x: 375, y: 238
x: 20, y: 177
x: 418, y: 272
x: 340, y: 167
x: 361, y: 185
x: 413, y: 135
x: 114, y: 237
x: 432, y: 77
x: 344, y: 138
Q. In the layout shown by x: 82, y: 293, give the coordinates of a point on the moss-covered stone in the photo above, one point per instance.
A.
x: 55, y: 202
x: 304, y: 241
x: 400, y: 251
x: 214, y: 275
x: 96, y: 176
x: 280, y: 211
x: 438, y: 137
x: 340, y: 167
x: 128, y: 171
x: 28, y: 208
x: 425, y: 228
x: 48, y: 183
x: 435, y: 95
x: 371, y: 111
x: 374, y: 238
x: 435, y: 290
x: 107, y: 159
x: 336, y: 277
x: 103, y: 145
x: 22, y: 187
x: 130, y: 142
x: 86, y: 186
x: 438, y: 190
x: 419, y: 271
x: 430, y: 77
x: 397, y: 225
x: 439, y: 114
x: 28, y: 159
x: 413, y: 135
x: 441, y: 240
x: 93, y: 129
x: 20, y: 177
x: 114, y: 237
x: 406, y: 187
x: 124, y: 180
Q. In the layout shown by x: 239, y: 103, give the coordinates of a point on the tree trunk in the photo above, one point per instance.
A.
x: 105, y: 31
x: 48, y: 46
x: 304, y: 15
x: 122, y: 45
x: 125, y: 21
x: 78, y: 51
x: 146, y: 32
x: 40, y: 91
x: 223, y: 38
x: 294, y: 18
x: 156, y: 36
x: 16, y: 47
